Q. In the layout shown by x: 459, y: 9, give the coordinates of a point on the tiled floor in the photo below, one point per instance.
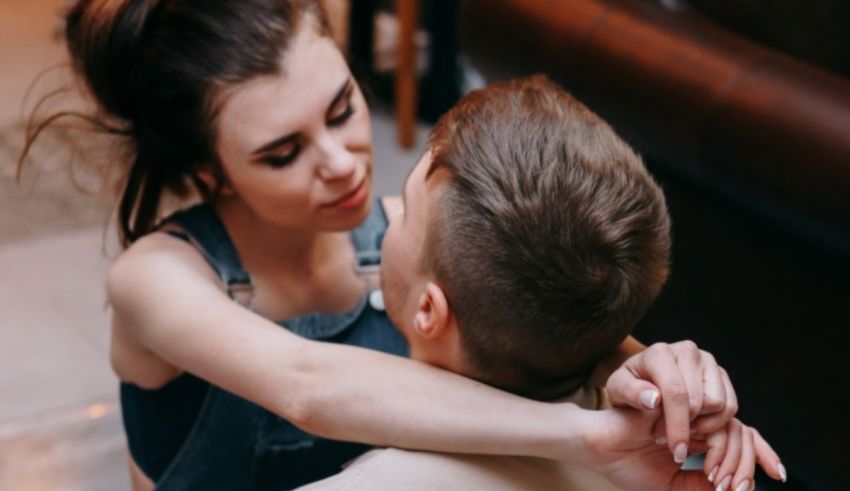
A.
x: 53, y: 338
x: 59, y: 420
x: 72, y: 448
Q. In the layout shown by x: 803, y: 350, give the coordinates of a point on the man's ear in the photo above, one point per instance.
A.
x: 206, y: 176
x: 432, y: 313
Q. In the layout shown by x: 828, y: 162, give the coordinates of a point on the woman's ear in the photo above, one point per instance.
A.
x: 432, y: 313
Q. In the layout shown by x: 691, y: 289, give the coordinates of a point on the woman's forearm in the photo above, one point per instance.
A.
x: 361, y: 395
x: 336, y: 391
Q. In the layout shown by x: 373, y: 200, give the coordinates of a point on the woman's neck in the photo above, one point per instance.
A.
x: 263, y: 246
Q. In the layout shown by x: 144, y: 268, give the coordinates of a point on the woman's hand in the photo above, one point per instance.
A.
x: 621, y: 446
x: 732, y: 454
x: 694, y: 391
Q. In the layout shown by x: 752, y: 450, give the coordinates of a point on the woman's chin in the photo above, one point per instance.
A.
x: 340, y: 219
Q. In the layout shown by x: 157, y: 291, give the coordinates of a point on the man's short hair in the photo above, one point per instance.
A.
x: 550, y: 239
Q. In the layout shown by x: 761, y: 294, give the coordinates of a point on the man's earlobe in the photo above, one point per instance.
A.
x: 432, y: 312
x: 206, y: 176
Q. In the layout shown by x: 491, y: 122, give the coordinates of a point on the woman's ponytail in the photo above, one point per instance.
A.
x: 156, y: 69
x: 105, y: 39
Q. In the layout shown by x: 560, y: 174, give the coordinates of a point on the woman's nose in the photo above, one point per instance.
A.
x: 337, y: 162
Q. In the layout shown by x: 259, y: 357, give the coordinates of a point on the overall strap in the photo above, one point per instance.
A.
x: 367, y: 238
x: 206, y: 232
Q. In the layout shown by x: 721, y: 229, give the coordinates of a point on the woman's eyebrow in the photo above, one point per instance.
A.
x: 283, y: 140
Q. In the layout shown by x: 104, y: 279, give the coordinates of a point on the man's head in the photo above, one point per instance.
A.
x: 532, y: 242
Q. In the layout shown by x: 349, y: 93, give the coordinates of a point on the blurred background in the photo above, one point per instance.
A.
x: 741, y: 109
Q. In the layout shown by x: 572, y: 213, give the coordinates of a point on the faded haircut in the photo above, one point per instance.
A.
x: 550, y: 240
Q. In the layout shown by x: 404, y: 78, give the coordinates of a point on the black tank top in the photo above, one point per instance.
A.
x: 189, y: 434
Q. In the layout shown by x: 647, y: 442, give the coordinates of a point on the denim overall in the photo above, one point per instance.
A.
x: 234, y: 444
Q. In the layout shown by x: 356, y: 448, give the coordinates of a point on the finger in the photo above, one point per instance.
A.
x: 718, y: 421
x: 659, y: 432
x: 716, y: 443
x: 688, y: 360
x: 767, y: 458
x: 706, y: 425
x: 731, y: 396
x: 626, y: 389
x: 698, y: 445
x: 743, y: 479
x: 714, y: 399
x: 659, y: 365
x: 733, y: 455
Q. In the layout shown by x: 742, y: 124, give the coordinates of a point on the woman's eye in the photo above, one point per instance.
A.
x: 279, y: 160
x: 342, y: 115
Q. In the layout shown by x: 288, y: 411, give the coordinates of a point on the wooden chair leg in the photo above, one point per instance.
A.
x: 405, y: 77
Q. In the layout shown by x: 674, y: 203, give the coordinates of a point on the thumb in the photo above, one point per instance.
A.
x: 624, y: 389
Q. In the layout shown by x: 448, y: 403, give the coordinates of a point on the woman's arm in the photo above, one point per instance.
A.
x: 627, y: 455
x: 165, y: 298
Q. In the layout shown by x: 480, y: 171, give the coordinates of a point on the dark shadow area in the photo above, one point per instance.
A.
x: 817, y: 31
x: 774, y: 310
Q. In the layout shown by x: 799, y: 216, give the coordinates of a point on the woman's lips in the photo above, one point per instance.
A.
x: 353, y: 198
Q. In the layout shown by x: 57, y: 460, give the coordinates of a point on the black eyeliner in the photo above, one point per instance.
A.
x: 342, y: 118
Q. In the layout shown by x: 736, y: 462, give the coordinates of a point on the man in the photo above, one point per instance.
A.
x: 531, y: 241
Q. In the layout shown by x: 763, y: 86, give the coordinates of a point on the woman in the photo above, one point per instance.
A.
x: 251, y: 104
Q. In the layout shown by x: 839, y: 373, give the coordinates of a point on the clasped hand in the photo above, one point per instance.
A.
x: 675, y: 399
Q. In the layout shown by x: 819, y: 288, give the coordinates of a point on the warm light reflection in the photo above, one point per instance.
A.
x: 96, y: 411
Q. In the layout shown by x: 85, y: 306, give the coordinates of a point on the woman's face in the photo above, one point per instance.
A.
x: 296, y: 147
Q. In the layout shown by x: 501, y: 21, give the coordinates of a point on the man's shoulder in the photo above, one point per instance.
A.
x: 395, y: 468
x: 412, y: 470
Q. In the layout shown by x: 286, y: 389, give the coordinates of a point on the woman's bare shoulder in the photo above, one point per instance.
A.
x: 161, y: 254
x: 136, y: 281
x: 177, y: 317
x: 153, y: 266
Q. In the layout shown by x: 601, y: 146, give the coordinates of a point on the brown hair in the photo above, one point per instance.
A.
x: 157, y: 69
x: 550, y: 240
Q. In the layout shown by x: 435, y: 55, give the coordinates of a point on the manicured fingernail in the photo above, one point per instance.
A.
x: 744, y: 485
x: 661, y: 440
x: 713, y: 474
x: 681, y: 453
x: 649, y: 398
x: 782, y: 474
x: 724, y: 483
